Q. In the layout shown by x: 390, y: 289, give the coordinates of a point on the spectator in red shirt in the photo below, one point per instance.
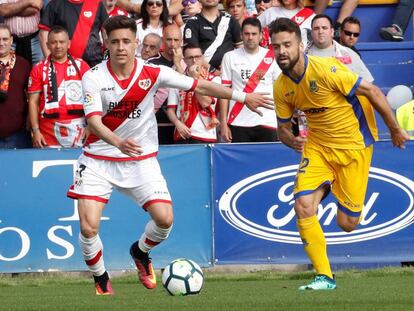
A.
x: 56, y: 97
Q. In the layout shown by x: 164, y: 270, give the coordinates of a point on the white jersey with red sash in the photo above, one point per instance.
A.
x: 250, y: 73
x: 61, y: 118
x: 127, y: 106
x: 301, y: 16
x: 198, y: 120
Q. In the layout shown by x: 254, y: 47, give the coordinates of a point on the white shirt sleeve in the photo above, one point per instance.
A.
x: 172, y: 79
x: 92, y: 96
x: 226, y: 69
x: 173, y: 98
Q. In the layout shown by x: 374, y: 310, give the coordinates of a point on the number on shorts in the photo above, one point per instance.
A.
x: 303, y: 165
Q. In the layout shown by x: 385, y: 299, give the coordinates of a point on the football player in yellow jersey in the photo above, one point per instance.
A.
x: 336, y: 154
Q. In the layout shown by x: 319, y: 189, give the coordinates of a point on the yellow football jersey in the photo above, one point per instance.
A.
x: 326, y: 94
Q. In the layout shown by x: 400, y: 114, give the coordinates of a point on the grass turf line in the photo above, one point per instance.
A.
x: 383, y: 289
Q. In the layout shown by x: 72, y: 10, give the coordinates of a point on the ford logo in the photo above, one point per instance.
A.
x: 388, y: 207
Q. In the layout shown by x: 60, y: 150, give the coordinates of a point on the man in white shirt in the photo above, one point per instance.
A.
x: 250, y: 69
x: 324, y: 45
x: 121, y: 150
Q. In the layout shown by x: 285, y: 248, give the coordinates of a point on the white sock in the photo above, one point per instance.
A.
x: 152, y: 236
x: 92, y: 250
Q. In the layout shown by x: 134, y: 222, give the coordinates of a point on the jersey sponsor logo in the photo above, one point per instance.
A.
x: 128, y: 109
x: 144, y: 84
x: 87, y: 14
x: 107, y: 89
x: 289, y: 93
x: 313, y: 86
x: 315, y: 110
x: 333, y: 69
x: 188, y: 33
x: 273, y: 217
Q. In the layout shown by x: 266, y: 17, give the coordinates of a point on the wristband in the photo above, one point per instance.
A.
x: 238, y: 96
x: 35, y: 129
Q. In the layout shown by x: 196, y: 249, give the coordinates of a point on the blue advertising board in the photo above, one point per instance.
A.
x: 39, y: 225
x: 254, y: 219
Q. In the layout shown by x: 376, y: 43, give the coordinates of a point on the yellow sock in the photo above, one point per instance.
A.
x: 315, y: 244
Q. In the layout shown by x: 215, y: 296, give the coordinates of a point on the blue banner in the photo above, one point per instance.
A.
x: 39, y: 225
x: 254, y: 220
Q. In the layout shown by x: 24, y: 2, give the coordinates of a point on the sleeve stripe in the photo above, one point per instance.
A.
x: 93, y: 113
x: 193, y: 87
x: 354, y: 88
x: 280, y: 120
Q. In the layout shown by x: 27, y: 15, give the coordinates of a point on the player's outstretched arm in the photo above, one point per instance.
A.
x: 284, y: 133
x: 253, y: 101
x: 379, y: 101
x: 127, y: 146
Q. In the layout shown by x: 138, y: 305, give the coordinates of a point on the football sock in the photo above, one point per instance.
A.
x: 92, y: 253
x: 152, y: 236
x: 314, y: 243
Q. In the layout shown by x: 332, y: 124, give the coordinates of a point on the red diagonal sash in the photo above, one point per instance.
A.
x: 302, y: 16
x: 80, y: 37
x: 252, y: 83
x: 131, y: 100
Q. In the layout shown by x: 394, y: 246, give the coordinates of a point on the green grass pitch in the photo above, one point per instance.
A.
x: 385, y: 289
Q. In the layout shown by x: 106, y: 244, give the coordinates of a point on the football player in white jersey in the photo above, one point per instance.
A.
x: 121, y: 150
x: 251, y: 69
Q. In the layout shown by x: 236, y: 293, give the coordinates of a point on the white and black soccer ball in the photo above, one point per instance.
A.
x: 182, y: 277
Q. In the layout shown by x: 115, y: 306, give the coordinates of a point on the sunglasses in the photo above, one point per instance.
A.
x: 152, y: 3
x: 260, y: 1
x: 187, y: 2
x: 350, y: 33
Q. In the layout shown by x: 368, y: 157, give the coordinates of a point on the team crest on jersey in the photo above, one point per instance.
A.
x: 188, y: 33
x: 313, y: 86
x: 144, y: 84
x: 87, y: 14
x: 268, y: 60
x: 299, y: 19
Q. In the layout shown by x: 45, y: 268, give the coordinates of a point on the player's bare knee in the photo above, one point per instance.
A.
x: 303, y: 209
x: 165, y: 222
x: 87, y: 230
x: 347, y: 225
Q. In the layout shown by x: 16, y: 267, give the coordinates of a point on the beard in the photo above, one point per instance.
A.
x: 288, y: 66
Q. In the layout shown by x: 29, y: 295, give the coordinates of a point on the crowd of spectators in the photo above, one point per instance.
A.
x: 58, y: 40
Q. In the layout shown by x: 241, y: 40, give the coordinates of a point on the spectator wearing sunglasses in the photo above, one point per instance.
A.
x: 294, y: 10
x: 191, y: 8
x: 262, y: 5
x: 324, y: 45
x: 215, y: 32
x: 153, y: 20
x: 350, y: 31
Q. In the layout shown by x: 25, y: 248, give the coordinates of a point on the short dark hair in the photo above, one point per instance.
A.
x: 119, y: 22
x: 190, y: 46
x: 57, y: 29
x: 252, y: 21
x: 350, y: 20
x: 319, y: 16
x: 285, y: 24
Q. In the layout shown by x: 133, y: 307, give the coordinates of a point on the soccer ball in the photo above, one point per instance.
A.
x: 182, y: 277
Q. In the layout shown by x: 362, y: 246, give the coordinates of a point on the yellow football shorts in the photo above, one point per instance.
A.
x: 346, y: 171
